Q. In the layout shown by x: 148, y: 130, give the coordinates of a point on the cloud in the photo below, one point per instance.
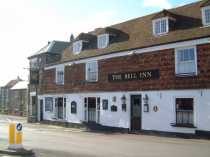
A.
x: 163, y: 4
x: 25, y: 27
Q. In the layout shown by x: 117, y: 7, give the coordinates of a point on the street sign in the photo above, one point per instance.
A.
x: 19, y: 127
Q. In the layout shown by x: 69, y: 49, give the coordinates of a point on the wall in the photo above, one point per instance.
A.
x: 18, y: 102
x: 159, y: 121
x: 163, y: 60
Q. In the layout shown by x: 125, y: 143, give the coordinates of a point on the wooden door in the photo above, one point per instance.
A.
x: 135, y: 112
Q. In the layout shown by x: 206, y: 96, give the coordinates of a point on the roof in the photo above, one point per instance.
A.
x: 12, y: 83
x: 188, y: 26
x: 52, y: 47
x: 205, y: 3
x: 20, y: 85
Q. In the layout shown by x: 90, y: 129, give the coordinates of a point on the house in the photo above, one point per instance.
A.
x: 50, y: 53
x: 19, y: 99
x: 150, y: 73
x: 5, y: 95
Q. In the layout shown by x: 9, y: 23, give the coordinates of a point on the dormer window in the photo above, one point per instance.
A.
x: 206, y: 15
x: 103, y: 41
x: 77, y: 47
x: 160, y: 26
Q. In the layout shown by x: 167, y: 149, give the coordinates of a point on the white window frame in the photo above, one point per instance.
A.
x: 49, y: 111
x: 194, y: 105
x: 99, y: 37
x: 195, y: 61
x: 59, y: 69
x: 158, y: 20
x: 86, y: 71
x: 75, y: 44
x: 203, y: 16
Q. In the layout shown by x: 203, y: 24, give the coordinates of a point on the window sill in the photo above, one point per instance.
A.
x: 88, y: 81
x: 205, y: 26
x: 60, y: 84
x: 186, y: 75
x: 161, y: 34
x: 183, y: 125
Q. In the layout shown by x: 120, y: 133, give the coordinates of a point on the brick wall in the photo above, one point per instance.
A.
x: 164, y: 61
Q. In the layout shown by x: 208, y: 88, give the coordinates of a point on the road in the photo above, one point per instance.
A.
x: 53, y: 141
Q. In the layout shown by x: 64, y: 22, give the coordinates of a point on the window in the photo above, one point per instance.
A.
x: 184, y: 111
x: 206, y: 15
x: 77, y: 47
x: 73, y: 107
x: 60, y: 76
x: 103, y: 40
x: 105, y: 104
x: 34, y: 63
x: 186, y: 62
x: 49, y: 104
x: 92, y: 71
x: 160, y: 26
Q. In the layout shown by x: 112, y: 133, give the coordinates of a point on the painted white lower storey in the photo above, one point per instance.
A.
x: 158, y: 121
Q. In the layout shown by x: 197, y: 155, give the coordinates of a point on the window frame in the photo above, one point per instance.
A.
x: 154, y: 26
x: 49, y: 111
x: 73, y: 109
x: 195, y: 61
x: 204, y: 17
x: 75, y: 51
x: 106, y: 36
x: 60, y: 69
x: 33, y: 63
x: 86, y: 71
x: 193, y: 112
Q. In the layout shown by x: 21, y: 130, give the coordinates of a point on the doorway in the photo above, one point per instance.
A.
x: 41, y: 109
x: 135, y: 112
x: 60, y: 108
x: 91, y: 109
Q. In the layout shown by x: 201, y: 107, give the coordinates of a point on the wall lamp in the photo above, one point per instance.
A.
x: 146, y: 103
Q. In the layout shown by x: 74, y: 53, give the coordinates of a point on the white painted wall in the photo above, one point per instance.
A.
x: 159, y: 121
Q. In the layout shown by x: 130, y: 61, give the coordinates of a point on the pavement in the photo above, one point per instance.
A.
x: 55, y: 141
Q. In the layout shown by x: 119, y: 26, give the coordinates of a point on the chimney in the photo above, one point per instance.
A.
x: 71, y: 38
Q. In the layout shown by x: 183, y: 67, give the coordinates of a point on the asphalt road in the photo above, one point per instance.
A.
x: 53, y: 141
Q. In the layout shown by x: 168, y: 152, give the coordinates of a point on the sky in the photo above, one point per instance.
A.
x: 27, y: 25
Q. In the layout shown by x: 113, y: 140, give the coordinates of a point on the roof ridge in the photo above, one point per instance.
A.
x: 61, y: 41
x: 150, y: 14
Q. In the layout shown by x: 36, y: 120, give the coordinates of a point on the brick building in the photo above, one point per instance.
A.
x: 50, y: 53
x: 5, y: 94
x: 18, y: 99
x: 150, y: 73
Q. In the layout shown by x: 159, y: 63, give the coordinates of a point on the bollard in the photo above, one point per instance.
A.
x: 11, y: 134
x: 15, y: 136
x: 18, y: 140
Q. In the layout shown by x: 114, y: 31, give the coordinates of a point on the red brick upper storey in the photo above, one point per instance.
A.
x: 163, y: 60
x: 184, y: 23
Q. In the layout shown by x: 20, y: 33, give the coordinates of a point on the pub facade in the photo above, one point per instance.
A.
x: 151, y: 73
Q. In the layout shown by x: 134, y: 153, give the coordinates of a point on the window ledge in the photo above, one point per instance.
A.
x: 205, y: 26
x: 161, y: 34
x: 89, y: 81
x: 186, y: 75
x: 183, y: 125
